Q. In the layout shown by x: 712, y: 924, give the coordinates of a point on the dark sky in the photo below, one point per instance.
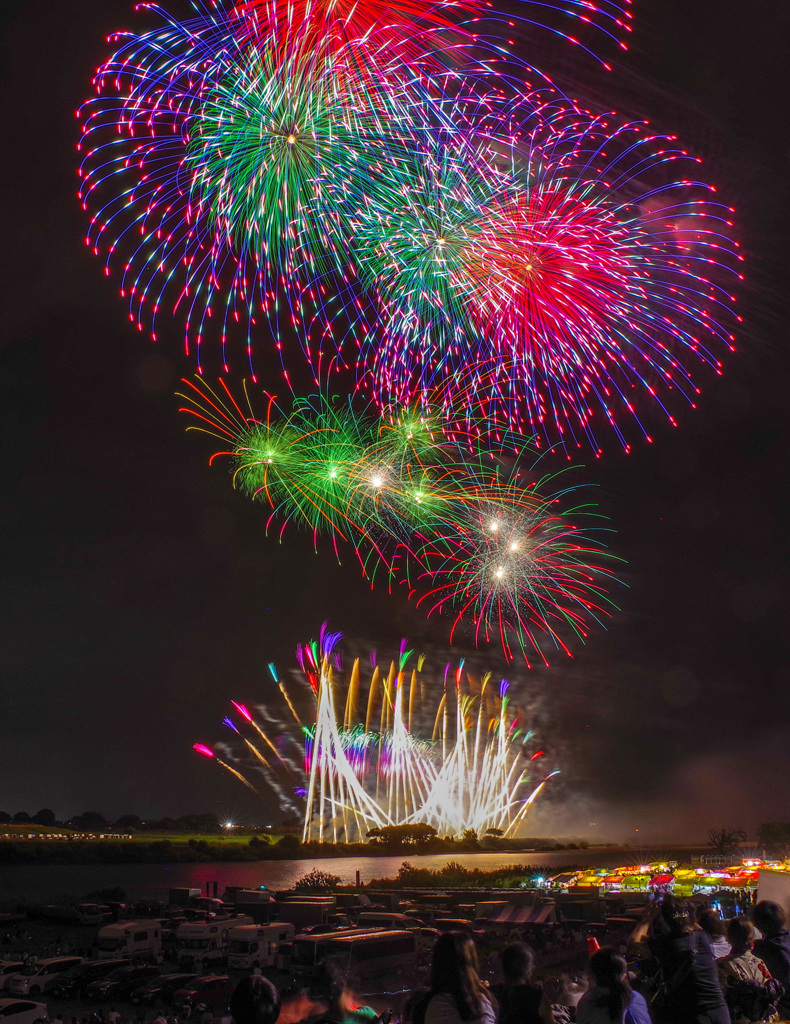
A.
x: 139, y: 591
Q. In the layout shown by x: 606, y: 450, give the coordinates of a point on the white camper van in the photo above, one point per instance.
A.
x: 138, y: 940
x: 203, y: 944
x: 257, y: 945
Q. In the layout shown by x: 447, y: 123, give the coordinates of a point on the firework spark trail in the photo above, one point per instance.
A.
x: 473, y: 775
x: 201, y: 748
x: 470, y: 536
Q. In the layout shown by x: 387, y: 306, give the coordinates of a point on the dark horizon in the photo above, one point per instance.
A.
x: 142, y: 595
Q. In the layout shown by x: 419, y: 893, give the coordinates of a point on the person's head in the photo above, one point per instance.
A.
x: 255, y: 1001
x: 517, y: 962
x: 609, y: 970
x: 740, y: 933
x: 676, y: 916
x: 710, y: 922
x: 770, y: 918
x: 454, y: 970
x: 607, y: 966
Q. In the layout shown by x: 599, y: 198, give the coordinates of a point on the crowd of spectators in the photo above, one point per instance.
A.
x: 676, y: 967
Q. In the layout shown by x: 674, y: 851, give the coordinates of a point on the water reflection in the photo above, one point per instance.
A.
x: 34, y: 883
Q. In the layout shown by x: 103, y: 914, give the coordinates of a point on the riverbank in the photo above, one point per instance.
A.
x: 25, y: 884
x: 209, y: 849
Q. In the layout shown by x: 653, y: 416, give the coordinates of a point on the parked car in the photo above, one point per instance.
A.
x: 210, y: 989
x: 39, y: 977
x: 7, y: 968
x: 161, y: 988
x: 73, y: 984
x: 22, y: 1011
x: 121, y: 982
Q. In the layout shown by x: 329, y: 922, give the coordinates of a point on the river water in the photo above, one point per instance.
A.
x: 55, y: 882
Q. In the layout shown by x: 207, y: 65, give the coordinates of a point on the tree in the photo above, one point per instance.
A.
x: 725, y: 840
x: 469, y: 836
x: 5, y: 817
x: 775, y: 835
x: 497, y: 833
x: 316, y: 881
x: 418, y: 832
x: 44, y: 817
x: 129, y: 821
x: 89, y: 821
x: 289, y: 844
x: 21, y: 818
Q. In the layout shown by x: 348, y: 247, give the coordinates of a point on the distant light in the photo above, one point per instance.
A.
x: 441, y: 241
x: 514, y: 547
x: 333, y: 473
x: 228, y: 824
x: 499, y: 571
x: 377, y: 480
x: 291, y: 140
x: 494, y: 526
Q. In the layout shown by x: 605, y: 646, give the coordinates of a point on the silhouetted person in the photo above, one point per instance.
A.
x: 774, y: 947
x: 710, y: 922
x: 255, y: 1001
x: 689, y: 992
x: 612, y: 1000
x: 519, y: 1000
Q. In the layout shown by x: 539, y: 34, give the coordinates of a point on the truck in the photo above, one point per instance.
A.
x: 304, y: 913
x: 203, y: 945
x: 257, y: 945
x: 183, y: 896
x: 135, y: 940
x: 774, y: 885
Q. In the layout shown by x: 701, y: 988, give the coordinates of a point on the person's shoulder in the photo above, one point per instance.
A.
x: 637, y: 1011
x: 586, y: 1006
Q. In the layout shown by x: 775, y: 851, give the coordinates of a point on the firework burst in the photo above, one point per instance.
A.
x: 398, y: 748
x: 421, y: 510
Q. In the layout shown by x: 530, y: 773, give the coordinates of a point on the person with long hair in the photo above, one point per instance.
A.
x: 519, y: 1000
x: 612, y: 1000
x: 457, y: 995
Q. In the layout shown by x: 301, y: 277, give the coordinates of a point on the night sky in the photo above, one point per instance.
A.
x: 140, y: 593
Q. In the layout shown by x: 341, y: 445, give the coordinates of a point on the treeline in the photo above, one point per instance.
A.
x: 455, y: 876
x: 95, y: 821
x: 163, y: 851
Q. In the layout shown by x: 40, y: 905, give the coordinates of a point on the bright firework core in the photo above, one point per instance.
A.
x: 394, y: 749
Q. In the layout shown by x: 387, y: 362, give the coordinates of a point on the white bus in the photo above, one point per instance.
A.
x: 361, y: 954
